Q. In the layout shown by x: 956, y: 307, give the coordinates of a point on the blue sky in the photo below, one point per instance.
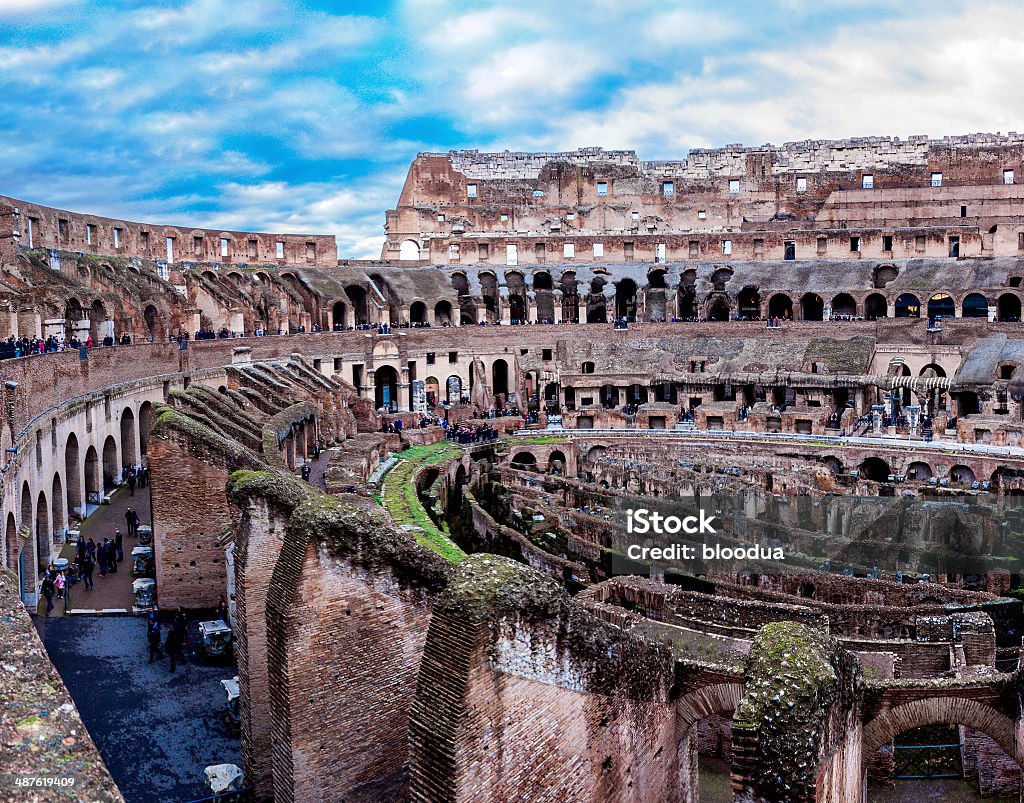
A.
x: 269, y: 115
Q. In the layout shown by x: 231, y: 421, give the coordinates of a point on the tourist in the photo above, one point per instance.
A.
x: 132, y: 479
x: 222, y: 608
x: 176, y: 638
x: 132, y: 518
x: 101, y: 556
x: 153, y: 636
x: 87, y: 566
x: 48, y: 590
x: 119, y: 544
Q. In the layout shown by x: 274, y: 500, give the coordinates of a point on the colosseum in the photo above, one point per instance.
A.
x: 409, y: 484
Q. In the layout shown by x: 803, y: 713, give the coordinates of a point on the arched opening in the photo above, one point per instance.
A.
x: 687, y: 296
x: 73, y: 473
x: 812, y: 308
x: 834, y: 464
x: 432, y: 387
x: 453, y: 390
x: 542, y: 280
x: 609, y: 397
x: 524, y: 460
x: 941, y: 305
x: 338, y: 319
x: 516, y: 308
x: 919, y: 722
x: 975, y: 306
x: 129, y: 457
x: 625, y: 299
x: 882, y: 275
x: 409, y: 251
x: 962, y: 475
x: 146, y: 416
x: 908, y: 306
x: 718, y: 310
x: 499, y: 377
x: 780, y: 306
x: 385, y: 380
x: 556, y: 463
x: 43, y: 534
x: 152, y: 320
x: 418, y: 313
x: 11, y: 544
x: 570, y: 300
x: 27, y: 520
x: 111, y: 470
x: 932, y: 370
x: 875, y: 306
x: 596, y: 310
x: 97, y: 322
x: 919, y: 471
x: 875, y: 469
x: 489, y: 292
x: 704, y: 751
x: 59, y: 519
x: 843, y: 306
x: 1008, y: 307
x: 749, y: 304
x: 443, y: 313
x: 360, y: 303
x: 596, y: 453
x: 460, y: 284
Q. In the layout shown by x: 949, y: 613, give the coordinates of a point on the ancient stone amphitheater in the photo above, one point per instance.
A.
x: 824, y: 338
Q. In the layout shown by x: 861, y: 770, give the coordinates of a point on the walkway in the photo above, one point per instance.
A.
x: 113, y: 591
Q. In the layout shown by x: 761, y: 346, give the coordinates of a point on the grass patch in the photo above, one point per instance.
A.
x: 399, y: 498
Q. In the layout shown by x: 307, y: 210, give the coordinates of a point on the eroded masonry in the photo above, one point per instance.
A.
x: 824, y: 338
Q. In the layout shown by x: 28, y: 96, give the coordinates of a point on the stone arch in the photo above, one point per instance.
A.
x: 489, y: 293
x: 780, y: 306
x: 97, y: 321
x: 499, y: 377
x: 43, y: 533
x: 720, y: 278
x: 443, y: 313
x: 718, y: 309
x: 129, y: 453
x: 625, y: 299
x: 523, y: 458
x: 748, y: 303
x: 59, y: 518
x: 460, y: 284
x: 941, y: 305
x: 844, y: 305
x: 11, y: 547
x: 961, y: 474
x: 812, y: 307
x: 111, y: 466
x: 974, y: 305
x: 338, y: 309
x: 26, y: 507
x: 453, y: 389
x: 151, y: 318
x: 146, y: 417
x: 93, y: 478
x: 874, y: 469
x: 409, y: 251
x: 1008, y: 307
x: 557, y: 462
x: 417, y: 312
x: 939, y: 710
x: 570, y: 301
x: 385, y: 380
x: 919, y: 470
x: 542, y: 280
x: 73, y: 475
x: 875, y: 306
x: 908, y: 306
x: 718, y: 699
x: 595, y: 453
x: 882, y: 275
x: 360, y: 303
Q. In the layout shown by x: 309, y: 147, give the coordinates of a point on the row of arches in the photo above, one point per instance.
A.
x: 718, y: 305
x: 45, y: 506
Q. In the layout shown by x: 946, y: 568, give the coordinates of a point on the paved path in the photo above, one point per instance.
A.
x: 112, y: 590
x: 156, y: 730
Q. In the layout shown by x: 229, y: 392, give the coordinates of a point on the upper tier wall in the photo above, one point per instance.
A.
x: 38, y: 226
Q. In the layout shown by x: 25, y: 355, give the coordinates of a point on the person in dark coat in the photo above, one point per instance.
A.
x: 119, y: 544
x: 48, y: 591
x: 153, y: 636
x: 111, y: 556
x: 132, y: 479
x: 88, y: 564
x: 132, y: 519
x: 101, y: 556
x: 176, y: 640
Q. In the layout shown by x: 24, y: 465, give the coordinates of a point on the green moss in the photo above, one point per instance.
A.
x: 401, y: 500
